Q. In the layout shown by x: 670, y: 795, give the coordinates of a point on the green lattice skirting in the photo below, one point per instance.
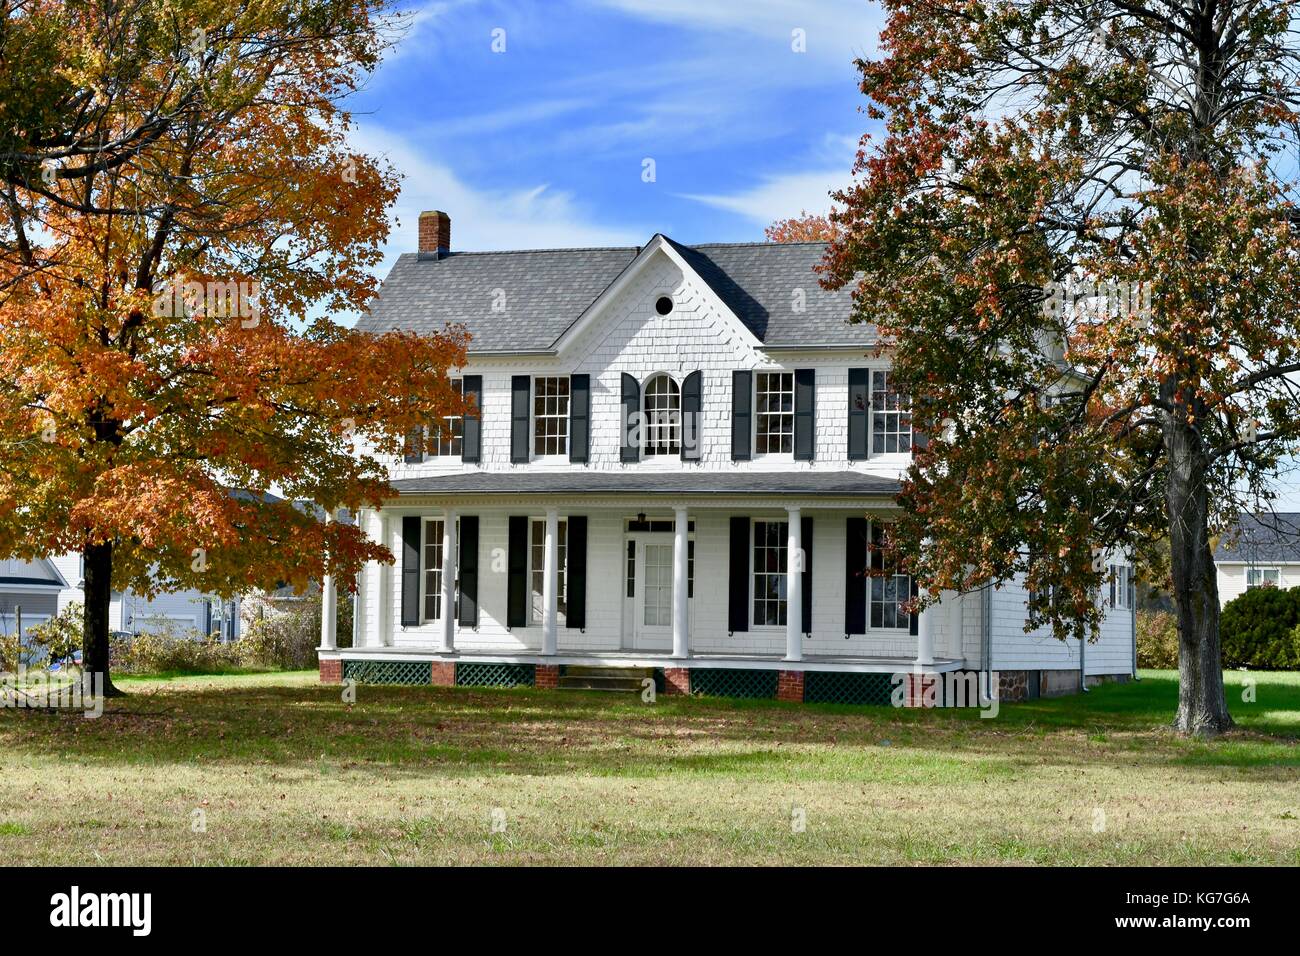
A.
x: 733, y: 682
x: 387, y: 672
x: 833, y: 687
x: 494, y: 675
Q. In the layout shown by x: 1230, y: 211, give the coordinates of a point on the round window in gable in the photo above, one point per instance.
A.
x: 664, y: 305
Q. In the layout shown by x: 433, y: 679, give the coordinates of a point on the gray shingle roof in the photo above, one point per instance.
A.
x: 545, y: 291
x: 834, y: 483
x: 1262, y: 538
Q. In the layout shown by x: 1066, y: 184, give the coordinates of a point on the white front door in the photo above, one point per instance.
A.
x: 653, y: 618
x: 648, y: 604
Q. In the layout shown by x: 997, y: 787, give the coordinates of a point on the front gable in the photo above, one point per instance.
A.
x: 626, y: 310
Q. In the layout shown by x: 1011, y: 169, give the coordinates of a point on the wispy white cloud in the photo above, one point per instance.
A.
x: 780, y: 196
x: 833, y: 29
x: 786, y: 194
x: 531, y: 216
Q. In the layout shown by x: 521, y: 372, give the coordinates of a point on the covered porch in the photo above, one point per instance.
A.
x: 674, y: 571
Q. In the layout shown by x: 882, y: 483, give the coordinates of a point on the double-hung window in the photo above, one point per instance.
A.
x: 450, y: 437
x: 537, y: 568
x: 433, y: 531
x: 550, y: 416
x: 774, y: 413
x: 1262, y: 578
x: 769, y: 569
x: 1123, y: 587
x: 889, y: 592
x: 891, y: 416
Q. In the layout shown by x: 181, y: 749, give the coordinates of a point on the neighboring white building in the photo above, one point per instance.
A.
x: 1260, y: 550
x: 659, y: 429
x: 37, y: 590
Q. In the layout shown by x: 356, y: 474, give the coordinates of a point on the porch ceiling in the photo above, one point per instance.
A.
x: 838, y: 484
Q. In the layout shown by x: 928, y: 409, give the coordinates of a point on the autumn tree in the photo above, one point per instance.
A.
x: 180, y: 212
x: 805, y: 227
x: 1077, y: 237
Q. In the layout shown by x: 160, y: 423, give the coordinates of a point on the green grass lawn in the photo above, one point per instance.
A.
x: 284, y: 772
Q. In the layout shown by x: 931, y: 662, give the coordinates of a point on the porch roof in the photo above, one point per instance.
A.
x: 838, y: 484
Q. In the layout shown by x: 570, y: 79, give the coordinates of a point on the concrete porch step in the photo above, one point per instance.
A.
x: 627, y: 680
x: 585, y: 670
x: 622, y: 685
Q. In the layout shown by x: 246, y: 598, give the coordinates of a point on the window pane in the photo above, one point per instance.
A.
x: 433, y: 570
x: 537, y: 568
x: 769, y: 564
x: 774, y: 413
x: 891, y: 418
x: 887, y: 595
x: 663, y: 417
x: 450, y: 436
x: 551, y: 416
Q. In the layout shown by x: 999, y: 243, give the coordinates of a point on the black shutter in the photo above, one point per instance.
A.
x: 805, y: 411
x: 411, y: 571
x: 576, y: 573
x: 471, y: 446
x: 806, y: 534
x: 738, y: 576
x: 859, y: 412
x: 579, y: 418
x: 631, y: 408
x: 414, y: 451
x: 742, y: 412
x: 520, y: 397
x: 919, y: 440
x: 914, y: 619
x: 855, y: 580
x: 517, y: 568
x: 692, y: 416
x: 468, y: 571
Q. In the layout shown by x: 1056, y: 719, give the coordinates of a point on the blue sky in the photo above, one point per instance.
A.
x: 545, y: 144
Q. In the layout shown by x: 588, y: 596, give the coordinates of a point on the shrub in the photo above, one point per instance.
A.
x: 60, y: 636
x: 286, y: 634
x: 11, y: 652
x: 285, y: 640
x: 283, y: 636
x: 1259, y: 629
x: 167, y: 648
x: 1157, y: 639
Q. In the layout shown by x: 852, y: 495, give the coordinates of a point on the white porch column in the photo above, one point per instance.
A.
x: 681, y: 602
x: 447, y: 631
x: 363, y: 586
x: 384, y: 590
x: 925, y: 637
x: 794, y: 559
x: 328, y: 607
x: 550, y: 583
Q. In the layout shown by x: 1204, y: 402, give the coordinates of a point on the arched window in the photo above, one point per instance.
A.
x: 663, y: 417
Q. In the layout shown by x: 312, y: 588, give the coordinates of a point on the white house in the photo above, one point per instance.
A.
x: 659, y: 430
x: 1260, y: 550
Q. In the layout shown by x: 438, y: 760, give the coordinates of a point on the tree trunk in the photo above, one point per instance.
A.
x: 98, y: 585
x: 1202, y: 707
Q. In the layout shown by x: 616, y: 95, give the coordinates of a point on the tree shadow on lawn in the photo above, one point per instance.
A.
x: 472, y: 731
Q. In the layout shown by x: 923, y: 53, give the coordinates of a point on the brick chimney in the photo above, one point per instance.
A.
x: 435, y: 234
